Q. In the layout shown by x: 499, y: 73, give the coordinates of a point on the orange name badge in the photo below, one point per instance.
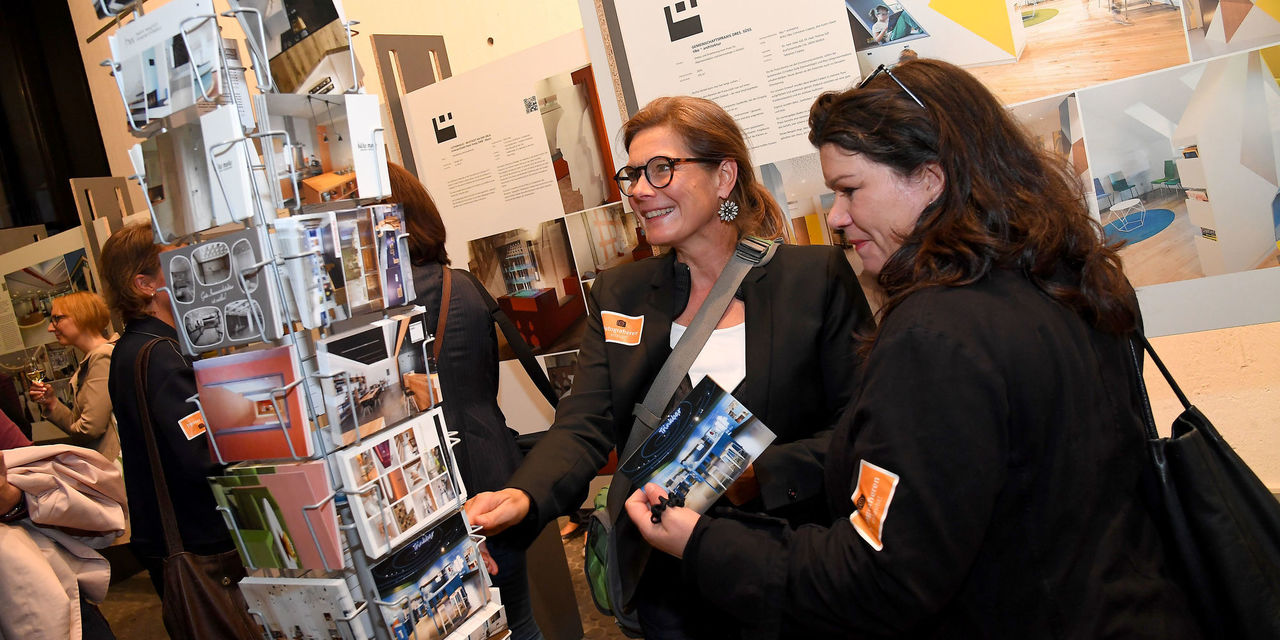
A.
x: 622, y: 329
x: 192, y: 425
x: 871, y: 500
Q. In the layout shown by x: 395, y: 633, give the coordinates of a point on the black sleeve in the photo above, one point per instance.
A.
x: 792, y: 472
x: 932, y: 412
x: 557, y: 472
x: 171, y: 380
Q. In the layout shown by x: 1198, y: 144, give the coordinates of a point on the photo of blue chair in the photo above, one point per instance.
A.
x: 1099, y: 193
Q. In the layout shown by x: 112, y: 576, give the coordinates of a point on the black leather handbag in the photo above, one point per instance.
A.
x: 202, y: 599
x: 1220, y: 523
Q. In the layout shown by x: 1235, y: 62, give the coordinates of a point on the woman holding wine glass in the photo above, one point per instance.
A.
x: 80, y: 320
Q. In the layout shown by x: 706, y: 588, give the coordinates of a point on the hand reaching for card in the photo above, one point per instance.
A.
x: 672, y: 531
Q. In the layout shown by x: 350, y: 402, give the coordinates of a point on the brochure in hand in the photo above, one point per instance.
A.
x: 700, y: 447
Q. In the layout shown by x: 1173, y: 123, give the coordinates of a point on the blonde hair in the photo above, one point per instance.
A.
x: 87, y: 310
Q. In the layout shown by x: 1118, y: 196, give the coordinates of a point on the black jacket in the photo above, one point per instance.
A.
x: 1015, y: 433
x: 468, y: 369
x: 802, y: 310
x: 186, y: 463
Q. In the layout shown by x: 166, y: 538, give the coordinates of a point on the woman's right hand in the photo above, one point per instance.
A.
x: 42, y: 394
x: 494, y: 511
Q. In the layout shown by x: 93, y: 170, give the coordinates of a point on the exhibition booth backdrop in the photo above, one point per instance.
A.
x: 516, y: 134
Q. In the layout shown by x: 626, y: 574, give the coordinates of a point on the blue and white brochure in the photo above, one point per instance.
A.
x: 700, y: 448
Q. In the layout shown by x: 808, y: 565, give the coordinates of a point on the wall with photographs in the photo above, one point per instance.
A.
x: 1115, y: 92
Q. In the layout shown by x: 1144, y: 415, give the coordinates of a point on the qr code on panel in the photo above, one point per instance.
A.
x: 531, y: 104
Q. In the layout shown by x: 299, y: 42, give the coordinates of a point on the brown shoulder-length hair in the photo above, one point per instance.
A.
x: 1006, y: 203
x: 710, y: 132
x: 421, y: 217
x: 129, y: 252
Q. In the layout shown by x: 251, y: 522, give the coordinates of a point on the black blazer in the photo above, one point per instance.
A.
x: 187, y: 462
x: 1015, y: 431
x: 802, y: 310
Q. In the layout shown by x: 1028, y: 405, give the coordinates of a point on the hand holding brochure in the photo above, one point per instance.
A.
x: 700, y: 447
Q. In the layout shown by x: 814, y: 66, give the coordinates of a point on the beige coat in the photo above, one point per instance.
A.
x: 90, y: 422
x: 76, y: 501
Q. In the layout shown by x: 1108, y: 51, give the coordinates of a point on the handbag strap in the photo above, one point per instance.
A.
x: 445, y: 289
x: 168, y: 520
x: 1149, y: 421
x: 750, y: 252
x: 517, y: 343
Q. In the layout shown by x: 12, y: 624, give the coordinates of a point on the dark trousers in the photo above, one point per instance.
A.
x: 93, y: 624
x: 513, y: 581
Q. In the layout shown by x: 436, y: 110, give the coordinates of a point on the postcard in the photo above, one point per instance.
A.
x: 434, y: 584
x: 169, y: 59
x: 393, y: 255
x: 306, y: 44
x: 319, y: 608
x: 247, y: 411
x: 234, y: 194
x: 273, y: 526
x: 219, y: 297
x: 374, y: 376
x: 313, y: 269
x: 334, y: 147
x: 400, y: 481
x: 700, y: 448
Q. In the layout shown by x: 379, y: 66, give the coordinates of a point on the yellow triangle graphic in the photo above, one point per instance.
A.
x: 1272, y: 7
x: 988, y: 19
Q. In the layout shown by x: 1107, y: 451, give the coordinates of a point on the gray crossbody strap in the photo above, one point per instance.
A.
x: 750, y: 252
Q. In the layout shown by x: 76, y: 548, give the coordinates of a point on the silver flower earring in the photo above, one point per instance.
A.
x: 728, y: 210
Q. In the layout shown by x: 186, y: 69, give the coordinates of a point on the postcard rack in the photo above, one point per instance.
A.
x: 256, y: 201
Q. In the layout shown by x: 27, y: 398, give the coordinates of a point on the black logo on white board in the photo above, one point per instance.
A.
x: 443, y: 124
x: 685, y: 22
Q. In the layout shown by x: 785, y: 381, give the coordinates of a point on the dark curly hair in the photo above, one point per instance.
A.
x: 1005, y: 204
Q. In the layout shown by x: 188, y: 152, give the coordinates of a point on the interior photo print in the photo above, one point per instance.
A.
x: 875, y: 23
x: 533, y: 276
x: 580, y: 154
x: 1184, y: 165
x: 31, y: 292
x: 306, y: 44
x: 605, y: 237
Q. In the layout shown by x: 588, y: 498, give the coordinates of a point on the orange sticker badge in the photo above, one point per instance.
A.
x: 871, y: 500
x: 192, y: 425
x: 622, y: 329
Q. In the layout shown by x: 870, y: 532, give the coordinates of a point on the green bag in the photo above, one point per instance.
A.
x: 598, y: 562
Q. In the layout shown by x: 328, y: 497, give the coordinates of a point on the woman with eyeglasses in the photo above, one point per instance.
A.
x: 784, y: 348
x: 985, y: 480
x: 80, y: 320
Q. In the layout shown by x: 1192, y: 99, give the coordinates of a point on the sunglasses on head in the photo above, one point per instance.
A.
x: 885, y: 70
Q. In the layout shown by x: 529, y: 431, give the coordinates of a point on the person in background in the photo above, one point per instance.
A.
x: 80, y: 320
x: 468, y: 371
x: 880, y: 29
x: 130, y: 267
x: 785, y: 350
x: 985, y: 481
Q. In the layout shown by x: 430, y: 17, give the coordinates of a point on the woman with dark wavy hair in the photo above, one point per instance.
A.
x: 984, y: 481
